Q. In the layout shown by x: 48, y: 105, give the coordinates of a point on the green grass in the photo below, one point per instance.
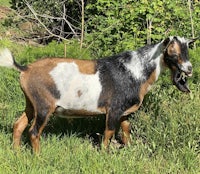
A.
x: 5, y: 3
x: 165, y: 131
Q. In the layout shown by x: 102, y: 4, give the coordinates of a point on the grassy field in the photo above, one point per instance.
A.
x: 4, y: 3
x: 165, y: 131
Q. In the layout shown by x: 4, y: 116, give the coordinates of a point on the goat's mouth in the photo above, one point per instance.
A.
x: 180, y: 80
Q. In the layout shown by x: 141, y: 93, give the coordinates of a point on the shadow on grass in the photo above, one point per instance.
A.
x: 80, y: 126
x: 89, y: 128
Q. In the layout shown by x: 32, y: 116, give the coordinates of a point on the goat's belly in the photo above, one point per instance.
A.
x: 72, y: 105
x: 79, y: 93
x: 80, y: 98
x: 73, y: 113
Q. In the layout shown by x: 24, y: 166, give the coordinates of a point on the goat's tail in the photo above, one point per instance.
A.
x: 7, y: 60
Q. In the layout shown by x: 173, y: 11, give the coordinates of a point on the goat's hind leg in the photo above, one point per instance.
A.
x: 20, y: 125
x: 18, y: 129
x: 39, y: 122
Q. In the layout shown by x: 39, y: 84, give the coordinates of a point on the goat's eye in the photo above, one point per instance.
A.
x: 175, y: 57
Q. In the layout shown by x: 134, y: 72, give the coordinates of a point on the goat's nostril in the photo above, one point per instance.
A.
x: 190, y: 68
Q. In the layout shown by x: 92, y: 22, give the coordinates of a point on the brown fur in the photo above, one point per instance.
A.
x: 126, y: 129
x: 144, y: 87
x: 18, y: 129
x: 22, y: 123
x: 75, y: 113
x: 85, y: 66
x: 108, y: 134
x: 79, y: 93
x: 175, y: 49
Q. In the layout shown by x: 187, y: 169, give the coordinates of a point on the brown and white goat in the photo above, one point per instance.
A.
x: 114, y: 86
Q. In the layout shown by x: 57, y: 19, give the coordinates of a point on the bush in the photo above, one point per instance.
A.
x: 115, y: 26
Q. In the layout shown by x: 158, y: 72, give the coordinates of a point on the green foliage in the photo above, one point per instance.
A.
x: 54, y: 49
x: 195, y: 59
x: 5, y: 3
x: 28, y: 54
x: 5, y: 43
x: 114, y: 26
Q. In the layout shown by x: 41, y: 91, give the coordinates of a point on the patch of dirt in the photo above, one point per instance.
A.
x: 4, y: 11
x: 18, y: 34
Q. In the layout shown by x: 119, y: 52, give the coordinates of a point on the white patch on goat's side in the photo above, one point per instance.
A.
x: 156, y: 55
x: 135, y: 66
x: 158, y: 65
x: 78, y: 91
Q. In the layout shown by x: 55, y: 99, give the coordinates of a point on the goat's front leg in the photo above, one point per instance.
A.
x: 108, y: 134
x: 111, y: 124
x: 126, y: 130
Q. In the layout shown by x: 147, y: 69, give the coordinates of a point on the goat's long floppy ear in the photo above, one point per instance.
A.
x: 191, y: 41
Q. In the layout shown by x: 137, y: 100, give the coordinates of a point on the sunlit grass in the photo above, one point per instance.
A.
x: 165, y: 132
x: 5, y: 3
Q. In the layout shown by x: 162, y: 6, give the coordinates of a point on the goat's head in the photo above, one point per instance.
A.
x: 176, y: 57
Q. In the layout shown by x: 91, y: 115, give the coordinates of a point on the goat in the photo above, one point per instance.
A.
x: 113, y: 86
